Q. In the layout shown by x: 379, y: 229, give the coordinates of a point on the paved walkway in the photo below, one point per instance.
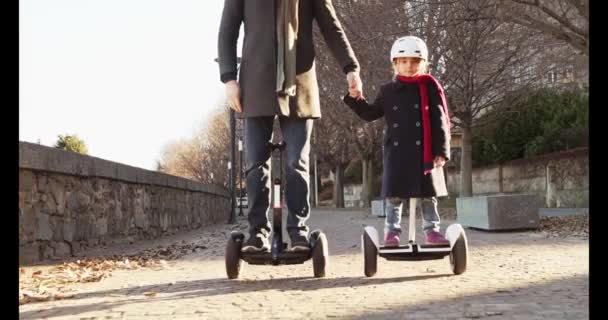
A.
x: 514, y: 275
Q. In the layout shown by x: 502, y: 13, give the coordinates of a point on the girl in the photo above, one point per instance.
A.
x: 416, y: 138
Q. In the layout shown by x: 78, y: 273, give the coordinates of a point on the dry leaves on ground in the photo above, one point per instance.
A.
x: 52, y: 284
x: 567, y: 226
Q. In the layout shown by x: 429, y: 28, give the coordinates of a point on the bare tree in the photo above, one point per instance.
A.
x: 371, y: 27
x: 565, y: 20
x: 478, y: 59
x: 483, y: 62
x: 334, y: 151
x: 203, y: 157
x: 178, y: 159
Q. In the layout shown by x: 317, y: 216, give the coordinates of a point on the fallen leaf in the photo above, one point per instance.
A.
x: 567, y: 226
x: 95, y: 269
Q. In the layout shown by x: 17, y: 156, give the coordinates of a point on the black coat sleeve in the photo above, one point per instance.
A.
x: 335, y: 37
x: 232, y: 17
x: 366, y: 111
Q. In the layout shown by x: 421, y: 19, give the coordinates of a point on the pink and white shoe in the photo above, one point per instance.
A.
x: 434, y: 237
x: 391, y: 239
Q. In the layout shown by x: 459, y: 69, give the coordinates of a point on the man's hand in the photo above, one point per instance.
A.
x: 233, y: 95
x: 439, y: 161
x: 355, y: 86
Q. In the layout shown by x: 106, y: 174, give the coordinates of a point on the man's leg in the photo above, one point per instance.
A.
x: 296, y: 133
x: 258, y: 132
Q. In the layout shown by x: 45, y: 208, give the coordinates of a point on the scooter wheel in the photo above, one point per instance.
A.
x: 370, y: 255
x: 459, y: 254
x: 233, y: 254
x: 320, y: 255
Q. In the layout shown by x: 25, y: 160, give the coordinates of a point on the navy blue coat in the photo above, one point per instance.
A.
x: 399, y: 104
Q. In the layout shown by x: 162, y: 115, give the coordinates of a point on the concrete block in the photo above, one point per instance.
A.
x: 378, y: 208
x: 499, y: 212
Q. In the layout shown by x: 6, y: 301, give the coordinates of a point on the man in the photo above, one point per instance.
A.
x: 277, y: 78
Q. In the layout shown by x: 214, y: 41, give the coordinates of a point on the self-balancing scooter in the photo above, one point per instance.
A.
x: 457, y: 249
x: 278, y: 254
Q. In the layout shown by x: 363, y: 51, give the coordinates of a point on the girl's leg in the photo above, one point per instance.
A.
x: 431, y: 221
x: 392, y: 222
x: 430, y: 216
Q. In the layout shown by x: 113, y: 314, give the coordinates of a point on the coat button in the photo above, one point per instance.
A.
x: 417, y: 123
x: 396, y: 143
x: 394, y: 107
x: 417, y: 142
x: 395, y: 125
x: 416, y: 106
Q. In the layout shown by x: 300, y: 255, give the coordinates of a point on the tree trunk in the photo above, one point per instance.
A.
x: 339, y: 187
x: 466, y: 163
x: 370, y: 178
x: 366, y: 190
x: 313, y: 184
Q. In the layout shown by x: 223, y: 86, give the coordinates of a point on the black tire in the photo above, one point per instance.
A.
x: 370, y: 256
x: 233, y: 255
x: 458, y: 256
x: 320, y: 256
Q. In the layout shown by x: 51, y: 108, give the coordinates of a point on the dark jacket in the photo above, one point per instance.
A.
x: 399, y: 104
x: 257, y: 77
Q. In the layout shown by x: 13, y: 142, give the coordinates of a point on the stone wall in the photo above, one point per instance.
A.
x: 69, y: 202
x: 560, y: 179
x: 352, y: 196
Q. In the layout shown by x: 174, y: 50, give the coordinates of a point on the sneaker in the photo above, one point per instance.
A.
x: 299, y: 243
x: 391, y: 239
x: 256, y: 243
x: 434, y: 237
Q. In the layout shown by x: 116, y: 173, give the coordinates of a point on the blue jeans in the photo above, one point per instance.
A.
x: 393, y: 208
x: 296, y: 134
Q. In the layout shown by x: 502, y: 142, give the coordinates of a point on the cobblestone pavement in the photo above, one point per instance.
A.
x: 510, y: 275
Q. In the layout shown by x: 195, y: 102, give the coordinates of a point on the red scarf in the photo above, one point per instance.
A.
x: 422, y: 80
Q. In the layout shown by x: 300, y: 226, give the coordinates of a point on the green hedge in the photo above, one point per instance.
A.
x: 533, y: 122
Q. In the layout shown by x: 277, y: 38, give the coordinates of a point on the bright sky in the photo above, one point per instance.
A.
x: 126, y: 76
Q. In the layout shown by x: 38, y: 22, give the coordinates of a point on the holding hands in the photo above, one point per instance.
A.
x: 355, y: 86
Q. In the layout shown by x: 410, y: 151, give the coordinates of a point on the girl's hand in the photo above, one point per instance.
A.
x: 353, y: 93
x: 355, y: 85
x: 439, y: 161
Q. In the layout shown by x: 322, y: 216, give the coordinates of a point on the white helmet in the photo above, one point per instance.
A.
x: 409, y: 46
